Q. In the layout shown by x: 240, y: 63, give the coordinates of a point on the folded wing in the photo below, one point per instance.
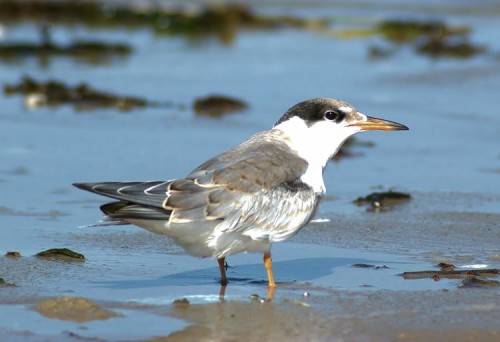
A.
x: 225, y: 187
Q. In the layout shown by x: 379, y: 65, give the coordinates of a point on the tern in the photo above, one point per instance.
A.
x: 261, y: 191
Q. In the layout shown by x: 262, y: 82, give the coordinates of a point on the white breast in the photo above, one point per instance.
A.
x: 316, y: 144
x: 314, y: 178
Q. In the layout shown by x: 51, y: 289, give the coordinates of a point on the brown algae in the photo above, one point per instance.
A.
x: 61, y: 254
x: 218, y: 105
x: 81, y: 96
x: 74, y: 309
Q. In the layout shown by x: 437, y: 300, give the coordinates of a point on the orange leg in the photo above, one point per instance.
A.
x: 268, y: 263
x: 270, y: 293
x: 222, y: 269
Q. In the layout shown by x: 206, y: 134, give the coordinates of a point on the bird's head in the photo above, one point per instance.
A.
x: 317, y: 128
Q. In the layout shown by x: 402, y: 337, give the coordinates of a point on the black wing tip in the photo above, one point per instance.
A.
x: 84, y: 186
x: 91, y: 187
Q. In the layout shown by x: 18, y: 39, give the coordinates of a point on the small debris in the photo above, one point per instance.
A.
x: 379, y: 52
x: 218, y: 105
x: 380, y: 201
x: 475, y: 281
x: 4, y: 283
x: 300, y: 303
x: 61, y: 254
x: 446, y: 267
x: 363, y: 265
x: 450, y: 273
x: 11, y: 254
x: 182, y: 301
x: 320, y: 220
x: 261, y: 299
x: 370, y: 266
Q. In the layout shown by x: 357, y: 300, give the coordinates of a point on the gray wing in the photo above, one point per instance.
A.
x: 224, y: 184
x: 262, y: 162
x: 225, y: 187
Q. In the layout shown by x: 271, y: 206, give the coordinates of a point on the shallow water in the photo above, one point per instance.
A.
x: 449, y: 162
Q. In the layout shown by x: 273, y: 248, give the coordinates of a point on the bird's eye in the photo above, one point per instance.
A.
x: 334, y: 115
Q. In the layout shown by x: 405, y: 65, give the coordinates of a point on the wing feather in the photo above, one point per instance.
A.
x: 151, y: 193
x: 124, y: 210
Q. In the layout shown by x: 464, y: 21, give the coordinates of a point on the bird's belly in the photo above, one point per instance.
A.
x: 197, y: 238
x: 190, y: 236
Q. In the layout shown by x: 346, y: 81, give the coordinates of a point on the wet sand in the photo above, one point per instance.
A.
x: 131, y: 276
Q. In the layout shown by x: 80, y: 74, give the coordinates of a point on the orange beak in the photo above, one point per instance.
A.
x: 374, y: 124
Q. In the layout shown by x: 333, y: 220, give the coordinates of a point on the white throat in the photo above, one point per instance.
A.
x: 316, y: 144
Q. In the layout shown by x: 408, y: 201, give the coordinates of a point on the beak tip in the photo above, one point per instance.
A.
x: 375, y: 124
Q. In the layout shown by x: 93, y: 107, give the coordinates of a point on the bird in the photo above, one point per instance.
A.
x: 259, y: 192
